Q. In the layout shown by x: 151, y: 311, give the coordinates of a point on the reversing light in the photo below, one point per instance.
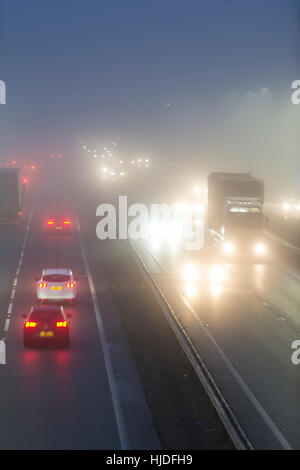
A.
x: 61, y: 324
x: 30, y: 324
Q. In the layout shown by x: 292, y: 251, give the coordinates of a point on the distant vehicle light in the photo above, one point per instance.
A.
x: 217, y: 274
x: 215, y: 289
x: 30, y: 324
x: 286, y: 207
x: 228, y: 248
x: 190, y: 289
x: 190, y: 273
x: 259, y: 249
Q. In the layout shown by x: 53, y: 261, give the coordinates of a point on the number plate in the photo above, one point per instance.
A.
x: 46, y: 334
x: 56, y: 288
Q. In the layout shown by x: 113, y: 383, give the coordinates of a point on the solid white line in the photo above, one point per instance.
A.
x: 6, y: 325
x: 106, y: 354
x: 282, y: 242
x: 13, y: 291
x: 272, y: 426
x: 279, y: 436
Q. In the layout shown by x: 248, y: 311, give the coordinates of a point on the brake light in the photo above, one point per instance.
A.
x: 70, y: 284
x: 50, y: 222
x: 67, y: 222
x: 43, y: 284
x: 61, y: 324
x: 30, y: 324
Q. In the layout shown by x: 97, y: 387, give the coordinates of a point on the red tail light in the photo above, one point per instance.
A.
x: 30, y: 324
x: 43, y: 284
x: 61, y: 324
x: 70, y: 284
x: 67, y: 222
x: 50, y: 222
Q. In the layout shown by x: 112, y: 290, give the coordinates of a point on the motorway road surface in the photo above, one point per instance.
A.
x: 85, y: 397
x: 243, y: 329
x: 90, y: 397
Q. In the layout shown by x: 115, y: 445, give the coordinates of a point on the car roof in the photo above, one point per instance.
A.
x: 56, y: 271
x: 47, y: 309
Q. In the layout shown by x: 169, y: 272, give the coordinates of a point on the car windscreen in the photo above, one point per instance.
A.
x: 56, y: 277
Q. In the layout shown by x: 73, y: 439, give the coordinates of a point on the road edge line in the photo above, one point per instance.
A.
x: 231, y: 424
x: 120, y: 421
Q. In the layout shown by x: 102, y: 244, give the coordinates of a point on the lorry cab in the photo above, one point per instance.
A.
x: 236, y: 219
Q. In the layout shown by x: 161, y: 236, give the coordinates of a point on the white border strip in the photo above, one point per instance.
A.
x: 106, y: 354
x: 228, y: 419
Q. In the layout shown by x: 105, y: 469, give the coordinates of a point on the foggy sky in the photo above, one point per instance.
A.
x: 179, y: 79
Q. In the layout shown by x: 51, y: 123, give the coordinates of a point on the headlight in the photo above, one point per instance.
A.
x: 228, y: 248
x: 259, y: 248
x: 190, y: 290
x: 190, y: 273
x: 217, y: 274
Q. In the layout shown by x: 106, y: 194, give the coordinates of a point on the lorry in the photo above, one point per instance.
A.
x: 11, y: 196
x: 235, y: 218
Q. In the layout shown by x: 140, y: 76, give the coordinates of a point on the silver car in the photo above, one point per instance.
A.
x: 57, y: 285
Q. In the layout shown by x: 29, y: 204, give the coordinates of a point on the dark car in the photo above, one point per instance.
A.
x: 59, y: 223
x: 46, y: 324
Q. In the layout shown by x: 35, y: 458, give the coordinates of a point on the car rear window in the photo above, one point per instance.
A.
x: 46, y: 316
x: 56, y: 277
x: 60, y: 218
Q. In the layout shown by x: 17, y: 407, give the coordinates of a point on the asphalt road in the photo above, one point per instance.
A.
x: 88, y: 396
x: 93, y: 395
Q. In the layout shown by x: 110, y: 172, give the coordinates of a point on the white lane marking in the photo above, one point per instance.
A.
x: 276, y: 432
x: 261, y: 411
x: 283, y: 242
x: 106, y: 354
x: 2, y: 352
x: 15, y: 282
x: 6, y: 326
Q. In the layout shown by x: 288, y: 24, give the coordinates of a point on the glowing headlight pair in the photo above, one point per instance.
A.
x: 191, y: 274
x: 229, y: 248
